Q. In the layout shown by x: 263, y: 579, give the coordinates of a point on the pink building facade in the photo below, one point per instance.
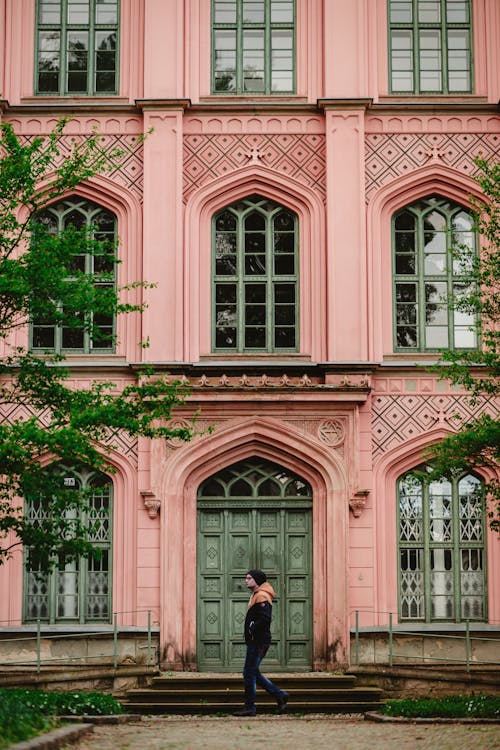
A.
x: 292, y: 205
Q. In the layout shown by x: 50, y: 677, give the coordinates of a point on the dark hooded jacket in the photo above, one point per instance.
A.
x: 259, y: 614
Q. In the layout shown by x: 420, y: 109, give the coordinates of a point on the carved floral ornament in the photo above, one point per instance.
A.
x: 244, y: 381
x: 331, y: 432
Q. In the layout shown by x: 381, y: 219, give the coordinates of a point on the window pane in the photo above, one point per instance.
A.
x: 106, y: 12
x: 401, y: 11
x: 457, y: 11
x: 281, y: 11
x: 410, y: 509
x: 225, y: 60
x: 225, y: 12
x: 78, y: 12
x: 442, y: 589
x: 253, y: 61
x: 429, y: 11
x: 253, y: 11
x: 412, y: 584
x: 50, y: 11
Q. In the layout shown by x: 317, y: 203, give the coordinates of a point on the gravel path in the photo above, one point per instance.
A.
x: 277, y: 733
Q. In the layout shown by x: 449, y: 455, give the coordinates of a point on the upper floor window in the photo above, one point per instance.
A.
x: 441, y: 549
x: 426, y: 276
x: 73, y: 590
x: 77, y: 47
x: 255, y: 277
x: 253, y: 46
x: 101, y: 224
x: 430, y: 46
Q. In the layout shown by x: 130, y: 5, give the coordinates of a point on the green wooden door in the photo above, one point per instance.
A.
x: 254, y: 514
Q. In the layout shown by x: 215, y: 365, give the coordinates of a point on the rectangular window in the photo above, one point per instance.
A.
x: 253, y: 46
x: 77, y: 47
x: 430, y: 47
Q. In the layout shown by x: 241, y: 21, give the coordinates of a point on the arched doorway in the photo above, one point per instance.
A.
x: 254, y: 514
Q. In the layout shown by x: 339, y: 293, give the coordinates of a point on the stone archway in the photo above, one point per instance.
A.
x: 254, y: 514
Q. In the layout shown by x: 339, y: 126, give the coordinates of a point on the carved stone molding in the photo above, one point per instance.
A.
x: 178, y: 424
x: 332, y: 432
x: 357, y: 502
x: 151, y: 502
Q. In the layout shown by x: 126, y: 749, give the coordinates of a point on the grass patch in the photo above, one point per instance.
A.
x: 452, y: 707
x: 27, y: 713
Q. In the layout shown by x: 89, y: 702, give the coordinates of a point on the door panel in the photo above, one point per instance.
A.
x: 278, y: 540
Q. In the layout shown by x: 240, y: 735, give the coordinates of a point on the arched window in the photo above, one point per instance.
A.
x: 255, y: 272
x: 80, y: 213
x: 77, y: 591
x: 441, y: 549
x: 426, y: 276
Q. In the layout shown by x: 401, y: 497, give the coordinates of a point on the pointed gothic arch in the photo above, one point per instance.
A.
x: 275, y: 441
x: 210, y: 198
x: 432, y: 179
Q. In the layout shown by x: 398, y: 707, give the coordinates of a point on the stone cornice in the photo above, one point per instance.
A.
x: 162, y: 105
x: 60, y: 106
x: 439, y: 105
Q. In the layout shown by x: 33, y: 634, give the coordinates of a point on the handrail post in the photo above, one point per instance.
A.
x: 38, y: 647
x: 467, y: 645
x: 356, y: 648
x: 390, y: 639
x: 149, y: 637
x: 115, y: 640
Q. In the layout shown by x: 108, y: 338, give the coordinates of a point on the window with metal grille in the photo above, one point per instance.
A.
x: 430, y: 47
x: 77, y: 47
x: 81, y: 214
x: 76, y: 590
x: 255, y: 276
x: 427, y: 276
x: 253, y: 46
x: 442, y: 561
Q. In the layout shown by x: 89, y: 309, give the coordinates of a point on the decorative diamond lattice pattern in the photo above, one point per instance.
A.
x: 396, y: 419
x: 129, y: 170
x: 390, y: 155
x: 300, y: 156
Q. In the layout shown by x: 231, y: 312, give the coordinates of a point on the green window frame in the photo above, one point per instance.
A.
x: 426, y: 276
x: 77, y: 47
x: 442, y: 553
x: 430, y: 47
x: 255, y: 277
x: 101, y: 223
x: 253, y: 47
x: 79, y: 590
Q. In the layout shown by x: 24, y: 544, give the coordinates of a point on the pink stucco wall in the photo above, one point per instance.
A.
x: 343, y: 155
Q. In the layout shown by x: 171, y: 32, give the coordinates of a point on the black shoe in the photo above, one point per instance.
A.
x: 282, y: 701
x: 244, y: 712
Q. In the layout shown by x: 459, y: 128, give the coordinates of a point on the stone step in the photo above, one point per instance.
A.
x: 214, y: 707
x: 224, y: 693
x: 168, y: 696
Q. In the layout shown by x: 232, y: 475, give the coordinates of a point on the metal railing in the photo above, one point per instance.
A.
x: 39, y: 635
x: 467, y: 638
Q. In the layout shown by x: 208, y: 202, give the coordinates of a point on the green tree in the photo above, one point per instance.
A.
x: 477, y: 443
x: 41, y: 415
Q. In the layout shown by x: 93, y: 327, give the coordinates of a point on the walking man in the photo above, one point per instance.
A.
x: 258, y: 638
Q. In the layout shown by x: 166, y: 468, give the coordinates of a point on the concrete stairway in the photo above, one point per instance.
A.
x: 214, y: 694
